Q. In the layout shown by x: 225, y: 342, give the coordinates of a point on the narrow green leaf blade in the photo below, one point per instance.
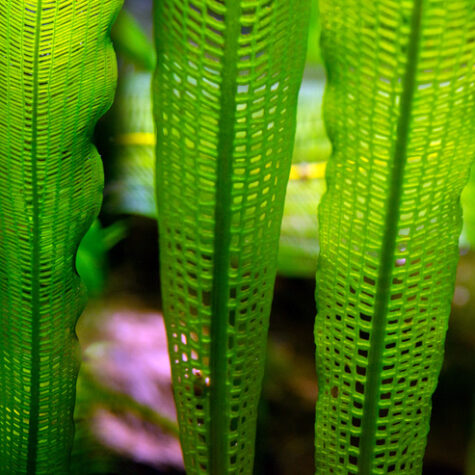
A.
x: 57, y: 72
x: 225, y: 100
x: 132, y: 41
x: 400, y: 113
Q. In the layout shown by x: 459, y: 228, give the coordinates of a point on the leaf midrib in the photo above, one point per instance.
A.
x: 35, y: 262
x: 383, y: 289
x: 218, y: 450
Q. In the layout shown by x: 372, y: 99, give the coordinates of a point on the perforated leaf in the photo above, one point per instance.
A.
x: 400, y: 112
x: 226, y: 91
x: 57, y: 72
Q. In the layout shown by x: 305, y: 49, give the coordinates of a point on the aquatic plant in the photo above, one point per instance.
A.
x: 57, y: 75
x: 226, y: 90
x: 398, y: 106
x: 399, y: 112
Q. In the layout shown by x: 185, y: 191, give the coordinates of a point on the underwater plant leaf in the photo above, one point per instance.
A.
x: 132, y: 188
x: 314, y: 56
x: 298, y: 243
x: 57, y: 74
x: 468, y: 204
x: 91, y: 258
x: 225, y: 90
x: 399, y: 109
x: 131, y: 41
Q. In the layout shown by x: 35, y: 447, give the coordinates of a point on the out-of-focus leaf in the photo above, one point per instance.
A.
x: 132, y: 188
x: 298, y: 244
x: 313, y: 50
x: 91, y: 258
x: 131, y: 41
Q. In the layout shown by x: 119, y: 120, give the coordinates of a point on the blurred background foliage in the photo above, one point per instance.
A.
x: 125, y: 416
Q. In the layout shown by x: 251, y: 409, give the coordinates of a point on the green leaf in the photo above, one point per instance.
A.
x: 132, y: 41
x: 468, y: 203
x: 57, y: 72
x: 298, y: 245
x: 400, y: 113
x: 313, y: 52
x: 132, y: 189
x: 91, y: 258
x: 225, y: 100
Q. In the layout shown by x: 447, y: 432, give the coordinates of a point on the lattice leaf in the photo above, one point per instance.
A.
x: 57, y: 72
x: 226, y: 90
x: 400, y: 113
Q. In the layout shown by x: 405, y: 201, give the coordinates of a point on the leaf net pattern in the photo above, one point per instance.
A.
x: 57, y: 72
x: 131, y: 189
x: 226, y: 91
x: 399, y: 111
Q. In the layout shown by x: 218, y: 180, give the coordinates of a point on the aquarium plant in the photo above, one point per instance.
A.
x: 57, y: 75
x: 226, y: 85
x: 399, y: 108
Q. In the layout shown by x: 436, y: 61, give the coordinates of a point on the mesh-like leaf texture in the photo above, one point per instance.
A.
x: 132, y: 188
x: 57, y: 72
x: 225, y: 95
x: 399, y: 111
